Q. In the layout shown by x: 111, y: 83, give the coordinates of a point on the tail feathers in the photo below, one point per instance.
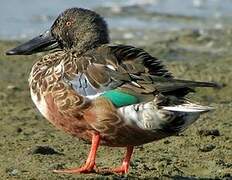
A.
x: 165, y: 85
x: 185, y: 115
x: 192, y: 84
x: 201, y: 84
x: 191, y: 108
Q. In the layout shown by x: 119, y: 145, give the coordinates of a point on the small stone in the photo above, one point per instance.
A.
x: 12, y: 87
x: 57, y: 166
x: 227, y: 176
x: 44, y: 150
x: 222, y: 163
x: 167, y: 142
x: 207, y: 148
x: 206, y: 132
x: 19, y: 130
x: 145, y: 167
x: 12, y: 171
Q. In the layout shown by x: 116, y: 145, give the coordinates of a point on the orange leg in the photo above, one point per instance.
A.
x: 90, y: 162
x: 124, y: 168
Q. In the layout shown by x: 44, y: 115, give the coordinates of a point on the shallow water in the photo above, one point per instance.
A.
x: 24, y: 19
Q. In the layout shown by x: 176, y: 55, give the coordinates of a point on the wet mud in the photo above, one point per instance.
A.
x: 30, y: 147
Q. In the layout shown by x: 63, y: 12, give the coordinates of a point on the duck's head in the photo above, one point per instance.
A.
x: 75, y: 28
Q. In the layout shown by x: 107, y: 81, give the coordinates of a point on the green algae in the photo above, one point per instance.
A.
x: 22, y: 128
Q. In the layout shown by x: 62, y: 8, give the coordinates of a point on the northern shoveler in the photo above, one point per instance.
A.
x: 113, y: 95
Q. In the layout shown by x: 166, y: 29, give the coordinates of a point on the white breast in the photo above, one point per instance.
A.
x: 40, y: 104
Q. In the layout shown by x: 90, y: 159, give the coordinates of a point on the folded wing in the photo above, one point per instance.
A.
x: 125, y: 71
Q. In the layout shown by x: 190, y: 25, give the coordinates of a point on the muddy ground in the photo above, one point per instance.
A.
x: 30, y: 147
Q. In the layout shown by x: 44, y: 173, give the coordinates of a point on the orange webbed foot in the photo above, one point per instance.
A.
x: 87, y: 168
x: 124, y: 168
x: 90, y: 166
x: 121, y: 170
x: 90, y: 163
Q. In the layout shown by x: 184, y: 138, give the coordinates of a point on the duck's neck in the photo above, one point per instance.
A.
x: 82, y: 48
x: 88, y: 40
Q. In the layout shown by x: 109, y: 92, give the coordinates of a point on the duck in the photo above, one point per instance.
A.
x: 106, y: 94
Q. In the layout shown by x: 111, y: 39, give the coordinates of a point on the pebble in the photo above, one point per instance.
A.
x: 12, y: 171
x: 206, y: 132
x: 19, y: 130
x: 207, y: 148
x: 167, y: 142
x: 12, y: 87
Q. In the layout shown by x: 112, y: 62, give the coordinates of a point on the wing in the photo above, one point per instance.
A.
x: 111, y: 66
x: 137, y: 61
x: 125, y: 75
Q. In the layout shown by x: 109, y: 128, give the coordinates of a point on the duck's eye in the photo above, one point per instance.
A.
x: 68, y: 23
